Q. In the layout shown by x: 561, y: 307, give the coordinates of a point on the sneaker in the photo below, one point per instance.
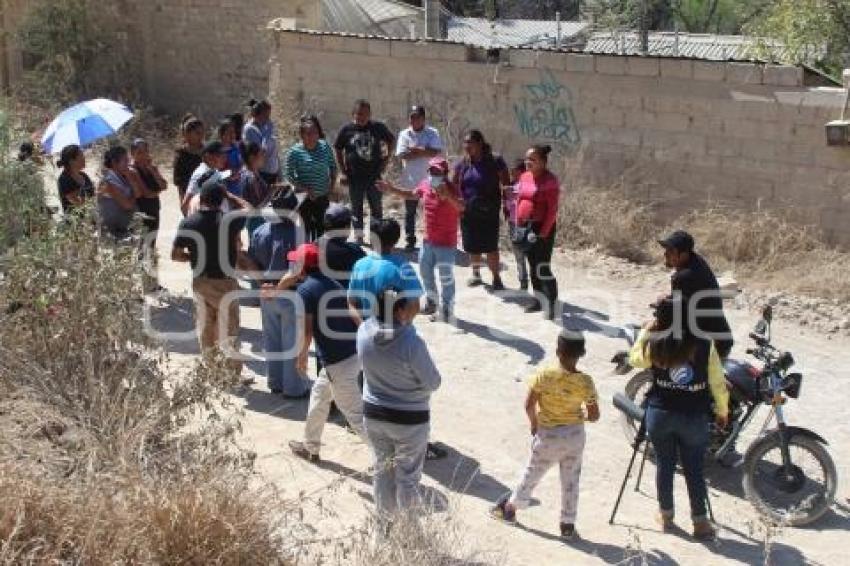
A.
x: 435, y: 452
x: 302, y: 452
x: 444, y: 315
x: 474, y: 281
x: 534, y: 307
x: 502, y: 512
x: 430, y: 308
x: 568, y: 531
x: 497, y: 284
x: 665, y: 521
x: 704, y: 530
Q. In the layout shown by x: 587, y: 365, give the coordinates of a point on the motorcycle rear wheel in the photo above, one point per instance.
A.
x: 763, y: 475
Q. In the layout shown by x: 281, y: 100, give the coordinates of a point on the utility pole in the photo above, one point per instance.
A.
x: 644, y: 27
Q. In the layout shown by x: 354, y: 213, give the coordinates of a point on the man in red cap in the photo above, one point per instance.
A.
x: 443, y: 206
x: 326, y: 319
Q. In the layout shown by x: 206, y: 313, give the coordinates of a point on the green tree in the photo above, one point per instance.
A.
x: 814, y: 31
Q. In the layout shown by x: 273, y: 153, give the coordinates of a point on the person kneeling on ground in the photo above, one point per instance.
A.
x: 554, y: 408
x: 443, y: 207
x: 327, y: 320
x: 400, y: 376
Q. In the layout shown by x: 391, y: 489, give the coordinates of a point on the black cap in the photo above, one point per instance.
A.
x: 417, y: 111
x: 214, y: 147
x: 337, y: 216
x: 678, y: 240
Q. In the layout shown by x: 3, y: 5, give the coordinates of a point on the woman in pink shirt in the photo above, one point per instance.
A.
x: 537, y: 207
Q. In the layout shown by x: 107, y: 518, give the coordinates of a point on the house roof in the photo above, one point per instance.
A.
x: 512, y: 33
x: 370, y: 17
x: 696, y: 46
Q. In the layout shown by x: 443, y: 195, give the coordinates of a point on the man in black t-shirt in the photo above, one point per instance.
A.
x: 362, y: 150
x: 204, y: 243
x: 695, y: 282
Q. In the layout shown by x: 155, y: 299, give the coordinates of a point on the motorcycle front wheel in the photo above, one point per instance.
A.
x: 794, y: 497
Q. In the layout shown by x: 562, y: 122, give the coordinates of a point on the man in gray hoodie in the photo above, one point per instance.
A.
x: 400, y: 376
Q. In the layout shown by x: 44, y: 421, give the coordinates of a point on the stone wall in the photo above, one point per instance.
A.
x: 211, y: 56
x: 205, y: 56
x: 680, y: 133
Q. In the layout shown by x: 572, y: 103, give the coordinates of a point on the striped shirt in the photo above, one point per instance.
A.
x: 311, y: 169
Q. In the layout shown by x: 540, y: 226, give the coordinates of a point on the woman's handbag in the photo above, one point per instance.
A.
x: 524, y: 237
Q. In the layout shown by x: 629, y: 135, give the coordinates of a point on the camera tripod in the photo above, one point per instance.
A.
x: 641, y: 439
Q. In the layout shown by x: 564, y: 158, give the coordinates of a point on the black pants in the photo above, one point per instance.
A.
x: 360, y: 189
x: 410, y: 207
x: 540, y: 269
x: 313, y: 214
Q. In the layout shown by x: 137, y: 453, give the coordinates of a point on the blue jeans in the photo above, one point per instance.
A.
x: 279, y: 337
x: 679, y: 435
x: 519, y: 256
x: 443, y: 259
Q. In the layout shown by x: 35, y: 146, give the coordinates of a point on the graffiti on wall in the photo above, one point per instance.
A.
x: 545, y: 113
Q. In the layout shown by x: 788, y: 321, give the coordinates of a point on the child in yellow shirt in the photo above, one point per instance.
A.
x: 559, y: 400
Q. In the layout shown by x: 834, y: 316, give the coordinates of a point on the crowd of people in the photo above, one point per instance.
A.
x: 320, y: 286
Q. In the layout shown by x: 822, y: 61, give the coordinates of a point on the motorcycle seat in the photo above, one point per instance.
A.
x: 743, y: 378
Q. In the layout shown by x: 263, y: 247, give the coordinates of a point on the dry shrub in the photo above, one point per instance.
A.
x: 766, y: 249
x: 120, y: 520
x: 435, y: 539
x: 607, y: 220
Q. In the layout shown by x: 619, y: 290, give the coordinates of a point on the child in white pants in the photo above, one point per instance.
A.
x: 559, y: 400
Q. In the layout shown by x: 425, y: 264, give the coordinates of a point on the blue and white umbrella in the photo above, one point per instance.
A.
x: 84, y: 124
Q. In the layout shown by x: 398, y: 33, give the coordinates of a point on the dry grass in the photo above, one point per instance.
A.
x: 116, y: 519
x: 608, y: 221
x: 764, y: 249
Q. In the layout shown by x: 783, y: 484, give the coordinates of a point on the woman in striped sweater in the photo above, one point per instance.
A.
x: 311, y: 168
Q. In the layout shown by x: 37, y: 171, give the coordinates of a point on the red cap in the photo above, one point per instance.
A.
x: 307, y: 255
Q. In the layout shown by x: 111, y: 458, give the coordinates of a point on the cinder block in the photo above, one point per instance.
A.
x: 672, y: 122
x: 709, y: 71
x: 400, y: 49
x: 446, y: 51
x: 578, y: 63
x: 643, y: 66
x: 310, y: 41
x: 744, y: 73
x: 783, y: 75
x: 378, y: 47
x: 552, y: 60
x: 522, y: 57
x: 610, y: 64
x: 677, y: 68
x: 344, y: 44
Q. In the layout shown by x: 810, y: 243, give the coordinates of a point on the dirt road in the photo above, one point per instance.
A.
x: 478, y: 414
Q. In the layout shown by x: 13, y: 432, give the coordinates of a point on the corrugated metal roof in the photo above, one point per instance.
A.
x: 672, y: 44
x: 512, y: 33
x: 370, y: 17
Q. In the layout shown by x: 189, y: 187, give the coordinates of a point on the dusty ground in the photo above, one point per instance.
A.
x: 478, y: 414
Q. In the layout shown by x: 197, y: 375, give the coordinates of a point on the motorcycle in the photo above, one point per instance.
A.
x: 789, y: 475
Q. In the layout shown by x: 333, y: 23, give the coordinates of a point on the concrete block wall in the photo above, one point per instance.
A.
x: 683, y: 133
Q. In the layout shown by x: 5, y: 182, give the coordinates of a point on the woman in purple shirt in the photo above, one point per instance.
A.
x: 480, y: 176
